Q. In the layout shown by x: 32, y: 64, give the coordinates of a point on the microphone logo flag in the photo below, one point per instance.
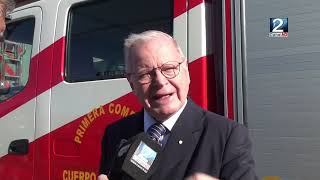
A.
x: 143, y: 157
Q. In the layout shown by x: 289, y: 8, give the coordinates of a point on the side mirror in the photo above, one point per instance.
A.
x: 4, y: 87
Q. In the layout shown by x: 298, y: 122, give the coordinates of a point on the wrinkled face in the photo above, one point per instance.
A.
x: 161, y: 97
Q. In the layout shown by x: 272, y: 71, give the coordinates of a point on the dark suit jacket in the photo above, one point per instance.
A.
x: 211, y: 144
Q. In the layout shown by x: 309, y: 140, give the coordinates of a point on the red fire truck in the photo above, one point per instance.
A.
x: 62, y: 79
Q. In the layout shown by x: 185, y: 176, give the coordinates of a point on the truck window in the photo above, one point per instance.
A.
x: 96, y: 32
x: 15, y: 56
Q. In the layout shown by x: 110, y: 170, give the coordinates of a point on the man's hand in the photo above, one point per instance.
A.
x: 201, y: 176
x: 103, y: 177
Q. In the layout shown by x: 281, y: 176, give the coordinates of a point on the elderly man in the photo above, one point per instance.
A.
x: 197, y: 144
x: 5, y: 6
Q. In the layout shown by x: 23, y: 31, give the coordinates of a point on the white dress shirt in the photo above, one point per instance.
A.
x: 168, y: 123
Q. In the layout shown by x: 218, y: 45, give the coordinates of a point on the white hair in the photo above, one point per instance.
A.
x: 144, y: 37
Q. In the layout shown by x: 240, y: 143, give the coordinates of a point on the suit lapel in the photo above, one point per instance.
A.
x: 181, y: 143
x: 138, y: 122
x: 134, y: 126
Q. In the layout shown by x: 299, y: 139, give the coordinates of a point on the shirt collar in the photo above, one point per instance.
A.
x: 169, y: 123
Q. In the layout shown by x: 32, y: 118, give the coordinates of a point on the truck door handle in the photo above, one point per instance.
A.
x: 19, y: 147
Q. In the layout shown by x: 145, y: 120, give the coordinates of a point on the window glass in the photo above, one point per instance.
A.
x: 97, y: 31
x: 15, y: 56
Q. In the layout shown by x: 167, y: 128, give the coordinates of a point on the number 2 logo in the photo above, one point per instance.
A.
x: 277, y: 23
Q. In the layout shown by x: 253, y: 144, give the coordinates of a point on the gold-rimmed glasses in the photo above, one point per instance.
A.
x: 169, y: 70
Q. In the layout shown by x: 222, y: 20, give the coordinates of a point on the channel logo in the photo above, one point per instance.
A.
x: 278, y: 27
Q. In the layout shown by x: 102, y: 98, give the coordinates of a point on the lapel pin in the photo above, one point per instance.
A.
x: 180, y: 141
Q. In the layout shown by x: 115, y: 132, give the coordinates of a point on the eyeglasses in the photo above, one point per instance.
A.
x: 169, y: 70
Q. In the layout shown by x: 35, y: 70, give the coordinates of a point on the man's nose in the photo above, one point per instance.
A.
x: 158, y: 78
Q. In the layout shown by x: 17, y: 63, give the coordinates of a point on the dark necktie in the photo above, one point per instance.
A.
x: 156, y: 131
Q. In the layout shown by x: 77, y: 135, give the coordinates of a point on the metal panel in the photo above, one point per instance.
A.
x: 92, y: 95
x: 283, y: 88
x: 20, y: 123
x: 199, y: 32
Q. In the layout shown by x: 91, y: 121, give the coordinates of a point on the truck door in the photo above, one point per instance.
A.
x: 90, y: 90
x: 18, y: 70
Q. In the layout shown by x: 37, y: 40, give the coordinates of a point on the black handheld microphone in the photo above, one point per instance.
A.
x: 138, y: 158
x: 143, y: 157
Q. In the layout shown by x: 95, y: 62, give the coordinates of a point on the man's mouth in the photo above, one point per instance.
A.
x: 161, y: 96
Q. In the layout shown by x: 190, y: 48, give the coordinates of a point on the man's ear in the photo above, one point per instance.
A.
x: 133, y: 89
x: 185, y: 67
x: 131, y: 85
